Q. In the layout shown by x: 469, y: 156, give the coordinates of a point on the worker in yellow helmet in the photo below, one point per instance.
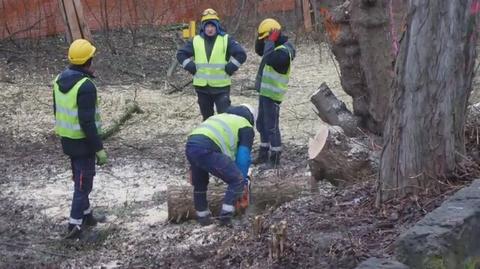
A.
x: 272, y: 84
x: 212, y: 57
x: 77, y: 122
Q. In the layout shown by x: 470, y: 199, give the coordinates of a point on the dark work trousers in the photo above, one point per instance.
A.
x: 267, y: 123
x: 83, y: 169
x: 204, y: 161
x: 207, y: 100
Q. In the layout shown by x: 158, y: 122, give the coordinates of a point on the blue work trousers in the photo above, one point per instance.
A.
x: 204, y: 161
x: 83, y: 170
x: 268, y: 122
x: 207, y: 100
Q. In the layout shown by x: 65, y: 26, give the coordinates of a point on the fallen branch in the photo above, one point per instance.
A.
x: 178, y: 89
x: 19, y: 245
x: 133, y: 108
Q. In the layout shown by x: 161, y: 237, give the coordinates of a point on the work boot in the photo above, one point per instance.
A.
x: 262, y: 156
x: 274, y: 161
x: 74, y: 231
x: 91, y: 220
x: 225, y: 218
x: 205, y: 221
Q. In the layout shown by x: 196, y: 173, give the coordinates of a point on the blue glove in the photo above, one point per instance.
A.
x: 243, y: 160
x: 191, y: 68
x: 230, y: 68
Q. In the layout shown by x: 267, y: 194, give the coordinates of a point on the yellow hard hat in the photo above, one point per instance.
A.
x: 266, y: 26
x: 80, y: 51
x: 209, y: 14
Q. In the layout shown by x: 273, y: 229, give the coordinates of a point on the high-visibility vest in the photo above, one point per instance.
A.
x: 223, y: 130
x: 274, y: 85
x: 211, y: 72
x: 67, y: 123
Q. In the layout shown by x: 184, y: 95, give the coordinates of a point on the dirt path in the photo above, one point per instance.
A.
x: 145, y: 156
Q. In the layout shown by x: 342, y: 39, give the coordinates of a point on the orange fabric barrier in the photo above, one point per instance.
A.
x: 36, y: 18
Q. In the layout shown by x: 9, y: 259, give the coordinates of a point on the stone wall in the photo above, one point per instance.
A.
x: 446, y: 238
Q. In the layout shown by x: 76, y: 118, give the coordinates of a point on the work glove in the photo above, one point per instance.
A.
x: 101, y: 157
x: 230, y: 68
x: 244, y: 201
x: 274, y: 35
x: 191, y: 68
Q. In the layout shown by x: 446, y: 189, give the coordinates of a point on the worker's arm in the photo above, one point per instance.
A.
x: 245, y: 143
x: 235, y: 56
x: 279, y: 59
x: 259, y: 46
x: 86, y: 100
x: 185, y: 55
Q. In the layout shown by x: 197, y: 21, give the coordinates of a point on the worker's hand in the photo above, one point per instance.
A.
x: 230, y: 68
x: 274, y: 35
x: 244, y: 200
x: 191, y: 68
x: 101, y: 157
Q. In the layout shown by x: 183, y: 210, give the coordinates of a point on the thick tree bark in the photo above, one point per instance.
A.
x: 371, y: 26
x: 363, y: 39
x: 333, y: 111
x: 424, y: 133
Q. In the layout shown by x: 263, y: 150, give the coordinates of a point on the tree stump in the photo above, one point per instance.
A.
x: 335, y: 157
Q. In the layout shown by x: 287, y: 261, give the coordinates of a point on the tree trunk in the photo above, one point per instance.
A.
x: 371, y: 26
x: 424, y: 132
x: 265, y: 192
x: 363, y: 38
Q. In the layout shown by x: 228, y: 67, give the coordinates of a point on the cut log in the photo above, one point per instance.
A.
x: 333, y: 111
x: 335, y: 157
x: 264, y: 193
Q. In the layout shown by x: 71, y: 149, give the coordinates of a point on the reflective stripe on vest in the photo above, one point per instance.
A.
x: 67, y: 123
x: 211, y: 72
x: 222, y: 129
x: 274, y: 85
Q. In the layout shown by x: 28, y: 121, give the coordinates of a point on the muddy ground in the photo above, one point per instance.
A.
x: 332, y: 228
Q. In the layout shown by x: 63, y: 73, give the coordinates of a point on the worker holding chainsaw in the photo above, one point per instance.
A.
x: 77, y: 122
x: 221, y: 146
x: 271, y: 83
x: 212, y: 57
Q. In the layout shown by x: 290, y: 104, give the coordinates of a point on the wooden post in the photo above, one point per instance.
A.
x: 307, y: 18
x: 75, y: 26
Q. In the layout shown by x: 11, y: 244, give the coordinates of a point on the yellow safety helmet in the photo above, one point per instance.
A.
x: 209, y: 14
x: 266, y: 26
x: 80, y: 51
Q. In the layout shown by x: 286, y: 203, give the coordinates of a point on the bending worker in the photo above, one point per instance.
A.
x: 212, y: 57
x: 77, y: 122
x: 271, y: 83
x: 221, y: 146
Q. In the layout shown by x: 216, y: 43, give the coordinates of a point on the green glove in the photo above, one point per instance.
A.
x: 101, y: 157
